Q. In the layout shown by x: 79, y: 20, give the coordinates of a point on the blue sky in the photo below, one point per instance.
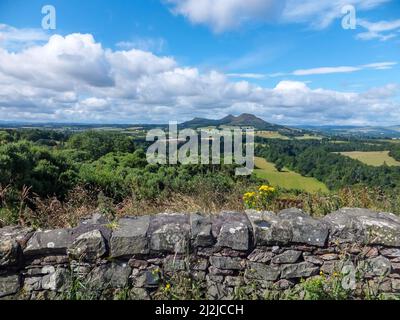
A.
x: 289, y: 62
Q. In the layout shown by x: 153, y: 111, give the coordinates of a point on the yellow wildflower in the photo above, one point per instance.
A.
x: 249, y: 195
x: 261, y: 198
x: 266, y: 189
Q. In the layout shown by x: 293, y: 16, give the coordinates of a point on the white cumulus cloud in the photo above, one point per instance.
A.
x: 74, y: 78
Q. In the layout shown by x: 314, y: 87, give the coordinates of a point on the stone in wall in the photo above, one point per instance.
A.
x: 130, y: 237
x: 113, y: 275
x: 288, y: 226
x: 364, y: 226
x: 49, y: 242
x: 269, y: 229
x: 232, y: 230
x: 170, y: 233
x: 305, y: 229
x: 201, y: 234
x: 9, y: 285
x: 89, y: 246
x: 12, y: 241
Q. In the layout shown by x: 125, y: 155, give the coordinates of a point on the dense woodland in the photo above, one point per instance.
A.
x: 48, y: 174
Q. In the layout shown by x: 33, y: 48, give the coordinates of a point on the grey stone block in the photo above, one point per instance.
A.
x: 130, y: 237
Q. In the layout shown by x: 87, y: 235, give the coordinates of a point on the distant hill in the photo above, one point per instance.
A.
x: 244, y: 120
x: 357, y: 131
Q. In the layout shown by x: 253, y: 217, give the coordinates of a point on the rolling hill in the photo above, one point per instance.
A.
x: 244, y: 120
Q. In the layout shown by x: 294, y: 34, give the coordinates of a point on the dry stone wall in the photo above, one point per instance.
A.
x: 251, y: 253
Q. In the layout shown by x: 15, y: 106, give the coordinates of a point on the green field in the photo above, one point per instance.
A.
x: 309, y: 137
x: 277, y: 135
x: 397, y: 141
x: 286, y: 179
x: 271, y: 135
x: 372, y: 158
